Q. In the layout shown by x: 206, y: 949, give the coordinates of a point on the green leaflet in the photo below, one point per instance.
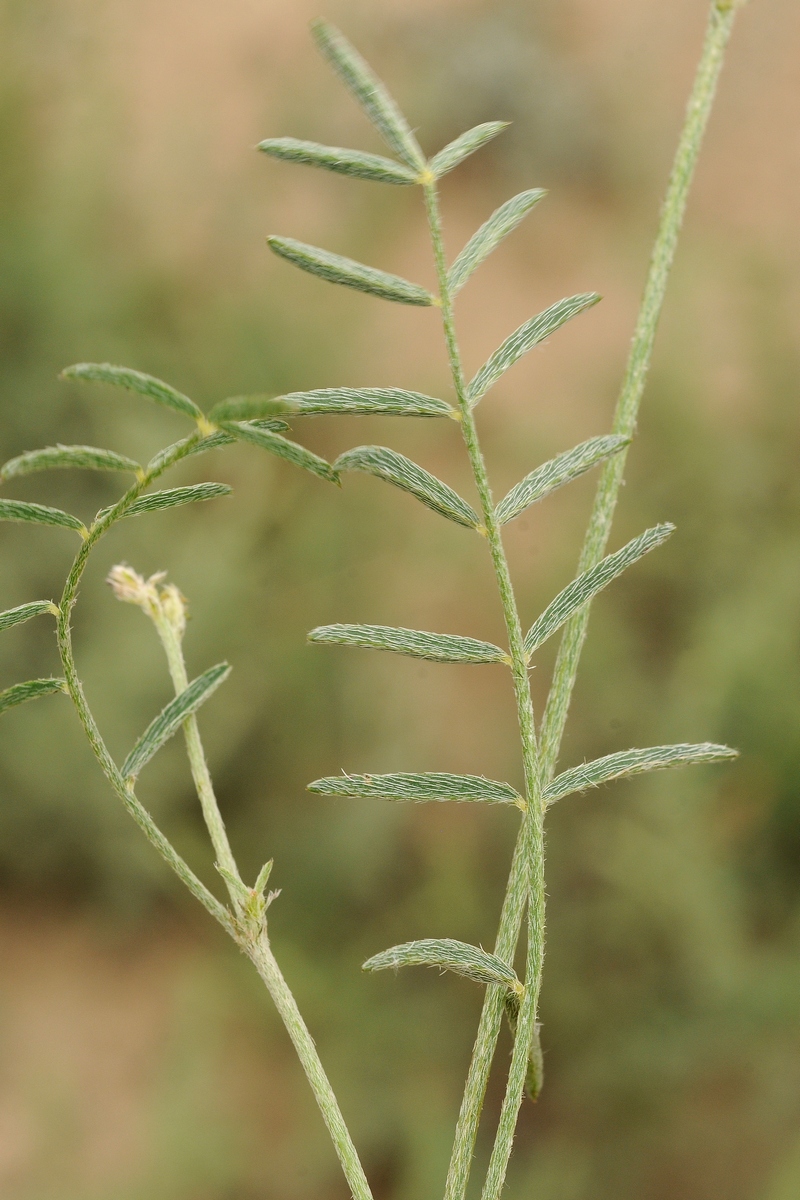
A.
x: 558, y: 471
x: 18, y: 693
x: 335, y: 158
x: 39, y: 514
x: 391, y: 402
x: 524, y: 339
x: 283, y: 448
x: 349, y: 273
x: 15, y: 616
x: 436, y: 647
x: 171, y: 717
x: 403, y: 473
x: 503, y: 221
x: 587, y: 585
x: 67, y: 456
x: 448, y: 955
x: 172, y: 497
x: 633, y: 762
x: 241, y: 408
x: 432, y: 785
x: 467, y: 143
x: 370, y: 93
x: 135, y: 381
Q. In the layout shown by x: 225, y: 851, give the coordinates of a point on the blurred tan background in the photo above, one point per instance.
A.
x: 139, y: 1058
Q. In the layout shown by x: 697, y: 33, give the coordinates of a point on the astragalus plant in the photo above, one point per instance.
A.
x: 262, y: 422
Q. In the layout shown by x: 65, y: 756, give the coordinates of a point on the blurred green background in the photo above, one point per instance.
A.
x: 139, y: 1057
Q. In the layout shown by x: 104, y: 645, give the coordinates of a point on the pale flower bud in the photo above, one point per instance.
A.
x: 131, y: 587
x: 173, y: 606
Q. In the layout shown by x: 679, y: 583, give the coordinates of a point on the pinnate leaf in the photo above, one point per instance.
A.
x: 432, y: 785
x: 173, y: 497
x: 590, y: 582
x: 135, y: 381
x: 558, y: 471
x: 18, y: 693
x: 503, y: 221
x: 15, y: 616
x: 448, y: 955
x: 370, y: 93
x: 39, y: 514
x: 171, y: 717
x: 403, y: 473
x: 524, y: 339
x: 633, y: 762
x: 436, y: 647
x: 282, y: 447
x: 335, y: 158
x: 467, y: 143
x: 346, y: 271
x: 67, y: 456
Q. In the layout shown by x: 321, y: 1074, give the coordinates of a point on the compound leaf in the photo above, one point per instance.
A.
x: 282, y: 447
x: 18, y: 693
x: 135, y: 381
x: 467, y: 143
x: 171, y: 717
x: 432, y: 785
x: 172, y: 497
x: 503, y: 221
x: 436, y: 647
x: 588, y: 584
x: 448, y: 955
x: 403, y: 473
x: 67, y: 456
x: 335, y: 158
x: 15, y: 616
x: 346, y: 271
x: 39, y: 514
x: 558, y: 471
x: 633, y: 762
x: 523, y: 339
x: 370, y: 93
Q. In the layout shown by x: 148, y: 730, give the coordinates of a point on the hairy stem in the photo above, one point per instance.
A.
x: 720, y: 24
x: 531, y: 856
x: 125, y: 791
x: 718, y: 32
x: 263, y: 959
x: 201, y: 775
x: 257, y: 948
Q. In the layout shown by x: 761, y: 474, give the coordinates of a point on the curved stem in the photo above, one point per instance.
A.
x: 255, y: 946
x: 124, y: 791
x: 530, y: 857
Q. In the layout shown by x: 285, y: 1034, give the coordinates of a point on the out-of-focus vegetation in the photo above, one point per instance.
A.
x: 138, y: 1057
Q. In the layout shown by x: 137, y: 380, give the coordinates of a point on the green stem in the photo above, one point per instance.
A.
x: 720, y: 24
x: 531, y: 856
x: 718, y: 33
x: 201, y: 775
x: 264, y: 961
x: 255, y: 942
x: 123, y: 790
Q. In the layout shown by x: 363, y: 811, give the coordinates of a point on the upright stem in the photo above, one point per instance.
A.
x: 531, y: 856
x: 201, y: 775
x: 720, y: 24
